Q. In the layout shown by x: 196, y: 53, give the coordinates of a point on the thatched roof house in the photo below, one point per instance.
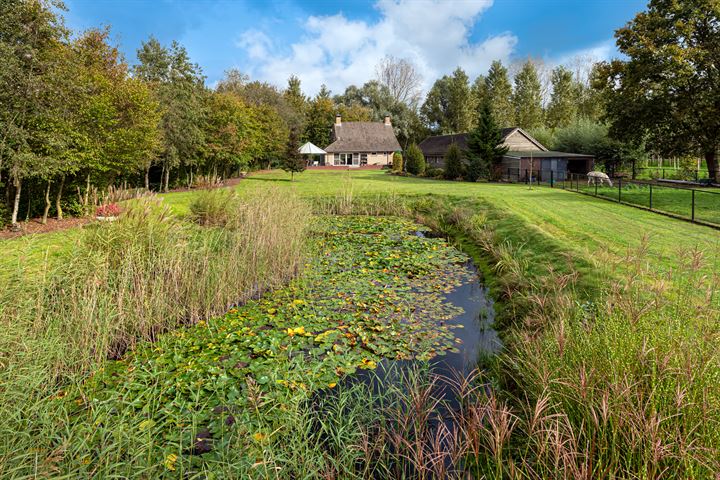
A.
x: 525, y: 154
x: 361, y: 143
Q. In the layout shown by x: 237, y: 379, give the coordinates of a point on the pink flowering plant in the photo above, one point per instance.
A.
x: 109, y: 210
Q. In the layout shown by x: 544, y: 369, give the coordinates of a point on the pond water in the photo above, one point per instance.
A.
x: 475, y: 336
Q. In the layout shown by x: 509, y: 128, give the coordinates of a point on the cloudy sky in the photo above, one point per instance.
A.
x: 340, y: 42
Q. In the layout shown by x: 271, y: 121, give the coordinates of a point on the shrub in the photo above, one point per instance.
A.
x: 108, y: 210
x: 397, y: 164
x: 434, y: 172
x: 415, y: 160
x: 453, y: 163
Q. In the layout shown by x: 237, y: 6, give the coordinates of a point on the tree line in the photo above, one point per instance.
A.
x: 77, y: 117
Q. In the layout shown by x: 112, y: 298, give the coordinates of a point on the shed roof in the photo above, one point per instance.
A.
x: 363, y: 137
x: 437, y: 145
x: 547, y: 154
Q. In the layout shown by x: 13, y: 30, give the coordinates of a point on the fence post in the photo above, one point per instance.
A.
x: 651, y: 196
x: 595, y: 182
x: 692, y: 217
x: 552, y: 179
x: 619, y: 189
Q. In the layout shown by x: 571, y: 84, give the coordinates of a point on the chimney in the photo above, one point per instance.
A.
x: 387, y: 120
x: 338, y: 120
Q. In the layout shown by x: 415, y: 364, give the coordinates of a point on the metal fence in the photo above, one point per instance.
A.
x: 694, y: 204
x: 663, y: 173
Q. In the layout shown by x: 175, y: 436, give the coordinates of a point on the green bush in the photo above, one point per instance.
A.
x: 453, y: 163
x: 414, y: 160
x: 434, y: 172
x: 397, y: 165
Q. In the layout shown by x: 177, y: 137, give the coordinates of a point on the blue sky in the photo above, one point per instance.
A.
x: 340, y: 42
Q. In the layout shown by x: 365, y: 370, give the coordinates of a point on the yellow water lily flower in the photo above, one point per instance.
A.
x: 170, y: 461
x: 296, y: 331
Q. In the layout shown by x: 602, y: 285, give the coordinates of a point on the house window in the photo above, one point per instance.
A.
x: 363, y: 159
x: 345, y: 159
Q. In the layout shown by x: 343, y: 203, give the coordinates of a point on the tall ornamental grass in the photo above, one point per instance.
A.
x: 124, y: 282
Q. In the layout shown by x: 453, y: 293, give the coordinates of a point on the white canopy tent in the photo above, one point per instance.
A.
x: 310, y: 149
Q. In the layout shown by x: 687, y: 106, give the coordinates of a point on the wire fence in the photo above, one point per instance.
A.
x: 697, y: 205
x: 663, y: 173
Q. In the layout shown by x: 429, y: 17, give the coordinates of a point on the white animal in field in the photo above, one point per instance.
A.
x: 598, y: 178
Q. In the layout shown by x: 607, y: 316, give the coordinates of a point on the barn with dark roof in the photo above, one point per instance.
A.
x: 355, y: 144
x: 525, y: 155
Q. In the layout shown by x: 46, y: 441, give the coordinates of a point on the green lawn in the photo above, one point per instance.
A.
x: 677, y: 201
x: 582, y: 226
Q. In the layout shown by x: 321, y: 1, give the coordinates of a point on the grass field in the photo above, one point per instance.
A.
x: 583, y: 226
x: 676, y: 201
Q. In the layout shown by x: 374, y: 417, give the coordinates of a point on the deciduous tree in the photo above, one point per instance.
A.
x: 527, y: 97
x: 499, y: 94
x: 668, y: 89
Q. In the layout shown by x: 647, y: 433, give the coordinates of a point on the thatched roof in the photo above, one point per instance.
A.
x: 437, y: 145
x: 350, y: 137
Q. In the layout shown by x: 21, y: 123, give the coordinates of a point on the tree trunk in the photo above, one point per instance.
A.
x: 58, y: 199
x: 167, y: 180
x: 712, y: 165
x: 16, y: 204
x: 147, y: 178
x: 86, y: 198
x: 47, y: 204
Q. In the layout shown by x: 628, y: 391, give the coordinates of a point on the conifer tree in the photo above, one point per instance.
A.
x: 293, y: 161
x: 484, y: 147
x: 453, y: 163
x: 414, y: 160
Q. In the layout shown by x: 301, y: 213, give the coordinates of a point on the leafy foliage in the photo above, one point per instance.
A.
x: 447, y: 108
x: 499, y: 94
x: 526, y: 99
x: 397, y: 164
x: 668, y: 88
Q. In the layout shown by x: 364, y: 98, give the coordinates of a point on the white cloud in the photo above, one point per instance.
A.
x: 433, y: 34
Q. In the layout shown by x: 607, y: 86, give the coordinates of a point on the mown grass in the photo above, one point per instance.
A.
x: 676, y: 201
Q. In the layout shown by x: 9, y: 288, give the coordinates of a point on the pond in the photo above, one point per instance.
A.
x: 373, y: 293
x: 475, y: 338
